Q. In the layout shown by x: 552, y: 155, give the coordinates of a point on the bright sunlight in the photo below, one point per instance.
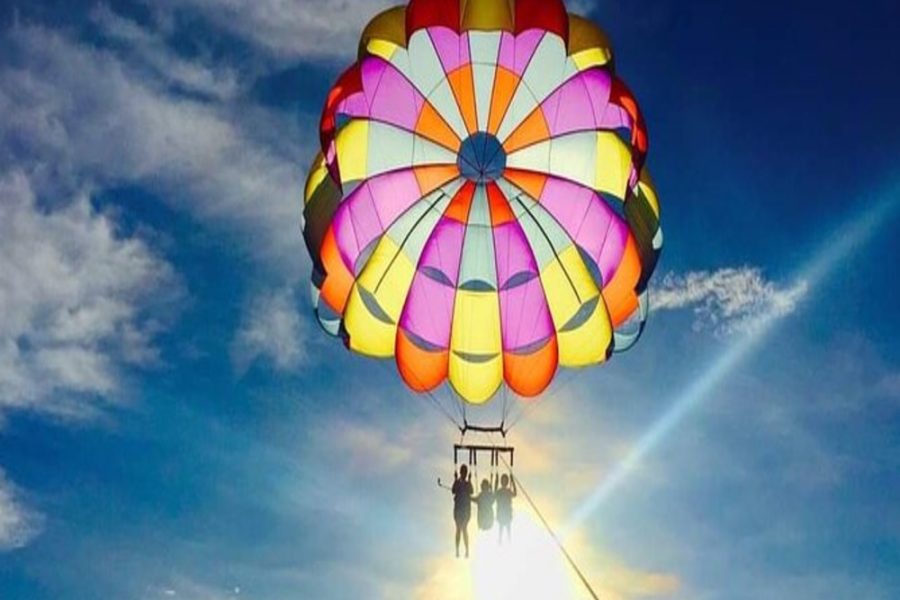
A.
x: 530, y: 567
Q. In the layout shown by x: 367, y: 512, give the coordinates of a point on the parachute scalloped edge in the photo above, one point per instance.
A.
x: 479, y: 267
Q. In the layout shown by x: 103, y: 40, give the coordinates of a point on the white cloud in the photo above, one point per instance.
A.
x: 18, y: 523
x: 75, y: 115
x: 271, y: 331
x: 183, y: 588
x: 80, y: 304
x: 301, y: 29
x: 149, y: 49
x: 728, y: 301
x: 79, y: 119
x: 290, y: 29
x: 369, y: 449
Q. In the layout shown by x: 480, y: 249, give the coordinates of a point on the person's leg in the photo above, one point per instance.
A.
x: 458, y: 535
x: 465, y: 533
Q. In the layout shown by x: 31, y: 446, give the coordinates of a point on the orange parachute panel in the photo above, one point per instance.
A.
x: 619, y: 294
x: 433, y: 127
x: 464, y: 90
x: 461, y: 203
x: 501, y: 213
x: 338, y: 278
x: 534, y: 129
x: 422, y: 370
x: 505, y: 84
x: 432, y: 177
x: 528, y: 375
x: 528, y: 181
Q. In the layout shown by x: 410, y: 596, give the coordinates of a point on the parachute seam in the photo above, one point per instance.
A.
x: 580, y: 258
x: 550, y: 242
x: 540, y: 104
x: 616, y: 208
x: 441, y: 194
x: 520, y: 83
x: 422, y: 198
x: 462, y: 254
x: 444, y: 80
x: 540, y: 281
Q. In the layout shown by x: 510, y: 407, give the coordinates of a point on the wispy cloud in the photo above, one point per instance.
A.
x: 728, y: 301
x: 147, y: 48
x: 183, y: 588
x: 366, y: 448
x: 288, y: 29
x: 81, y: 304
x: 271, y: 331
x: 77, y: 116
x: 18, y: 523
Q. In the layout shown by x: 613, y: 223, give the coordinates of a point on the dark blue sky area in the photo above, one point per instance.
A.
x: 775, y: 145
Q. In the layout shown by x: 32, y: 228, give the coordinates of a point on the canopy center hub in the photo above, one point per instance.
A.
x: 482, y: 158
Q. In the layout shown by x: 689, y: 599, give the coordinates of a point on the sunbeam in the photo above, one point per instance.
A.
x: 834, y: 250
x: 529, y: 566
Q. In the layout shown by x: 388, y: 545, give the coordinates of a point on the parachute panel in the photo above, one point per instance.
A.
x: 480, y: 209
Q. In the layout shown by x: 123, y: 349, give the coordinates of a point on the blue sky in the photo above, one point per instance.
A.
x: 174, y: 424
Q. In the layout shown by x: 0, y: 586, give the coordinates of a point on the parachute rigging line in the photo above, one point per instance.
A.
x: 505, y: 411
x: 458, y: 407
x: 440, y: 406
x: 526, y: 412
x: 556, y: 540
x: 436, y: 403
x: 462, y: 405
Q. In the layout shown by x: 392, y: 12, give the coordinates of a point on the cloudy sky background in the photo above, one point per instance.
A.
x: 173, y: 423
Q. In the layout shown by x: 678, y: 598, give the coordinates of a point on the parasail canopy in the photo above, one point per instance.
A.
x: 480, y: 208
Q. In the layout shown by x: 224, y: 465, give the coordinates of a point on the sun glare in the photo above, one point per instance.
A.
x: 530, y: 567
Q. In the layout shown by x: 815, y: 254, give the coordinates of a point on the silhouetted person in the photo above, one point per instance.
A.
x: 462, y: 506
x: 485, y: 502
x: 505, y: 497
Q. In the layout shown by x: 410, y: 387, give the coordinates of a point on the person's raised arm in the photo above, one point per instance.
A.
x: 512, y: 477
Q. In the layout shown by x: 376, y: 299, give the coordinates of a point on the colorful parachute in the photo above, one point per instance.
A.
x: 480, y: 209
